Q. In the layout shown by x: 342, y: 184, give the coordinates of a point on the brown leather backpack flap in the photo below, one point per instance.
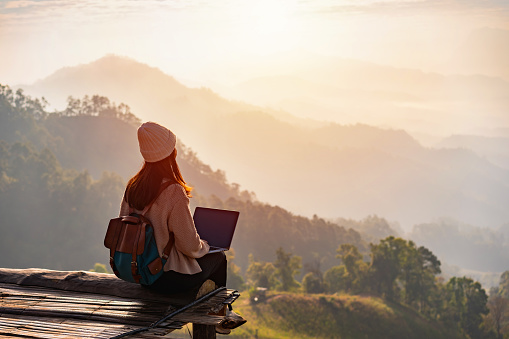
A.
x: 130, y: 219
x: 127, y: 238
x: 155, y: 266
x: 112, y: 233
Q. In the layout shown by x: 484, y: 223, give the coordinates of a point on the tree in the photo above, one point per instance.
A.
x: 355, y: 267
x: 466, y: 303
x: 235, y: 280
x: 312, y: 283
x: 419, y: 269
x: 386, y: 266
x: 498, y: 317
x: 99, y: 106
x: 65, y: 226
x: 99, y: 268
x: 401, y: 270
x: 287, y: 267
x: 261, y: 274
x: 334, y: 279
x: 503, y: 287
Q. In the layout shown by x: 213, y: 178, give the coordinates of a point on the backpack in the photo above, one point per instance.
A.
x: 134, y: 256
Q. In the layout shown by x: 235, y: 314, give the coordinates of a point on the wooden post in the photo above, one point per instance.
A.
x: 204, y: 331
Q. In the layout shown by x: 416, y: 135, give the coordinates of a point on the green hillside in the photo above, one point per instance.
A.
x: 70, y: 168
x: 335, y: 316
x: 55, y: 212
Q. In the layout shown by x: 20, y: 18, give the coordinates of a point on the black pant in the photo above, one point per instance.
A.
x: 213, y: 267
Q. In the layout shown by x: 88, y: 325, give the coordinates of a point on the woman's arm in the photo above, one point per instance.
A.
x: 181, y: 223
x: 124, y: 208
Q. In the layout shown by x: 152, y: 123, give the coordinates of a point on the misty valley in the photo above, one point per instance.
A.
x: 352, y: 221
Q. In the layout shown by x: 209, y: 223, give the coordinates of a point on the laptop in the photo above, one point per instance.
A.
x: 216, y: 226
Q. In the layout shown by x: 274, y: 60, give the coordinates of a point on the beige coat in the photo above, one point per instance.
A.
x: 171, y: 213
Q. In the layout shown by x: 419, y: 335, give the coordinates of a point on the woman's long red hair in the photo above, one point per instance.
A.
x: 143, y: 187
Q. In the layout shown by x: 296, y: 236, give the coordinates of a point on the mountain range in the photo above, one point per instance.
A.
x: 47, y: 191
x: 330, y: 169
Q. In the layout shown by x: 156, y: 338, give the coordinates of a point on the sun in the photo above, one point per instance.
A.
x: 271, y: 17
x: 268, y: 25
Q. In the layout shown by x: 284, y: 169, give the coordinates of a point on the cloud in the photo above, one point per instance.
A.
x: 20, y: 12
x: 20, y: 4
x: 395, y: 6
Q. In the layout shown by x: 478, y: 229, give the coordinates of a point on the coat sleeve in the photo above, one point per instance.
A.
x: 124, y: 208
x: 187, y: 240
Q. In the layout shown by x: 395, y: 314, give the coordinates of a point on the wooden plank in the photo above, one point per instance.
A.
x: 38, y: 303
x: 42, y: 328
x: 204, y: 331
x: 45, y: 302
x: 90, y: 282
x: 54, y: 303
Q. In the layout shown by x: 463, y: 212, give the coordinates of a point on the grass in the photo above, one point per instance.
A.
x: 305, y: 316
x: 286, y: 315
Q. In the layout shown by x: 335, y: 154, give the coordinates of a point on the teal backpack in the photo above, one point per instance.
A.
x: 134, y: 256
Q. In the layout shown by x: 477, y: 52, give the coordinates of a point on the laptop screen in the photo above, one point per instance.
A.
x: 215, y: 225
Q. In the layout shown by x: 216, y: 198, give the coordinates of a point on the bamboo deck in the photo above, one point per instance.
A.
x: 55, y: 304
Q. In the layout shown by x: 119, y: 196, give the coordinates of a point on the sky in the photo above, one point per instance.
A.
x: 188, y: 38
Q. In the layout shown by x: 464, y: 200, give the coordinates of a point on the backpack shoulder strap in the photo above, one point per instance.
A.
x: 161, y: 189
x: 169, y: 246
x: 171, y: 240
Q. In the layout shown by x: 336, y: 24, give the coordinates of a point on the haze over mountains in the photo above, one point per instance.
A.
x: 484, y: 52
x: 333, y: 170
x: 465, y: 93
x: 350, y: 91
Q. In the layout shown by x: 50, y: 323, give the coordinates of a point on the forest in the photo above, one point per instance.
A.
x: 397, y: 271
x: 51, y: 158
x: 62, y: 175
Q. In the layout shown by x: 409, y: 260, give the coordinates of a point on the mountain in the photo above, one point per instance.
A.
x: 47, y: 192
x: 495, y: 149
x: 483, y: 52
x: 475, y: 248
x: 55, y: 217
x: 261, y: 229
x: 98, y: 144
x: 313, y: 99
x: 352, y: 91
x: 148, y: 89
x: 332, y: 170
x: 114, y: 148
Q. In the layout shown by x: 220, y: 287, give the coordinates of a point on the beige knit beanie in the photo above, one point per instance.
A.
x: 156, y: 142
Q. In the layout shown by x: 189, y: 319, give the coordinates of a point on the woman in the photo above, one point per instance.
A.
x: 189, y: 264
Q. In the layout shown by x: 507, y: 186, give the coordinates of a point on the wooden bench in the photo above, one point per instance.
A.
x: 38, y: 303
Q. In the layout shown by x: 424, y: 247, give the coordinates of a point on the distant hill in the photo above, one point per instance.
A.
x: 304, y: 97
x: 495, y: 149
x: 475, y: 248
x: 98, y: 144
x: 332, y: 316
x: 47, y: 162
x: 262, y: 228
x: 152, y: 94
x: 353, y: 91
x: 484, y: 52
x: 348, y: 171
